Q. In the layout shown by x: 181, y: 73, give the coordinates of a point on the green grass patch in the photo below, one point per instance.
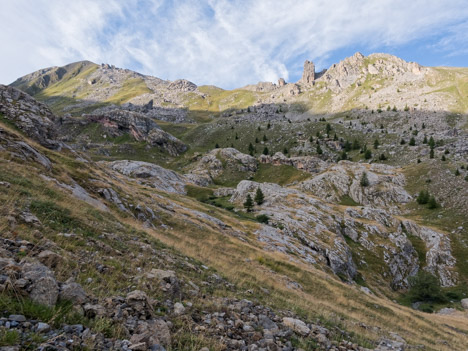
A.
x: 282, y: 174
x: 346, y: 200
x: 130, y: 88
x: 9, y: 337
x: 59, y: 218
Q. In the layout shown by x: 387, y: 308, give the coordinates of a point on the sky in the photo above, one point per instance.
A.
x: 227, y: 43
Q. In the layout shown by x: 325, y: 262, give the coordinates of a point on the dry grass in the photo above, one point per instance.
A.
x: 322, y: 296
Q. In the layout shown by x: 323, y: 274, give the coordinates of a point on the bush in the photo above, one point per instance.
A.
x: 364, y: 180
x: 263, y: 218
x: 423, y: 197
x: 425, y: 287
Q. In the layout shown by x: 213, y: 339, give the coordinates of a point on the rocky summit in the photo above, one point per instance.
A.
x: 324, y: 214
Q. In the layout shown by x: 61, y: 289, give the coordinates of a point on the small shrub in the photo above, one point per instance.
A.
x: 263, y: 218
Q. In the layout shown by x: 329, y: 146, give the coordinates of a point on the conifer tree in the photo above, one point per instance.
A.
x: 364, y: 180
x: 259, y: 197
x: 248, y: 204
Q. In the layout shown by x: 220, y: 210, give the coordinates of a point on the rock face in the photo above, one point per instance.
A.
x: 218, y: 161
x: 182, y: 85
x: 385, y: 187
x: 305, y: 163
x: 119, y: 122
x: 308, y: 75
x: 439, y: 258
x: 151, y: 174
x: 32, y: 117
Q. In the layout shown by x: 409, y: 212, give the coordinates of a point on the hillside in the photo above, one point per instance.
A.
x: 124, y: 210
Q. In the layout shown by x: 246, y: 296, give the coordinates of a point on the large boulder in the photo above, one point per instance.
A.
x: 151, y: 174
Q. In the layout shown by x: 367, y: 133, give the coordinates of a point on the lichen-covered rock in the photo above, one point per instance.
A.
x: 43, y: 287
x: 151, y: 174
x: 32, y: 117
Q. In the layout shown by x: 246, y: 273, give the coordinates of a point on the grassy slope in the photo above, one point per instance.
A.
x: 244, y: 263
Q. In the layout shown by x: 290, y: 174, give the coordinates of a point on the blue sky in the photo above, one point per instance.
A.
x: 227, y: 43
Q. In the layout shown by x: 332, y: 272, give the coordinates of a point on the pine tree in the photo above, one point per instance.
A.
x: 335, y: 138
x: 257, y: 141
x: 217, y: 146
x: 457, y: 172
x: 328, y: 129
x: 319, y: 149
x: 248, y: 204
x: 264, y: 137
x: 425, y: 140
x: 431, y: 142
x: 443, y: 158
x: 423, y: 197
x: 356, y: 144
x: 268, y: 125
x: 285, y: 151
x: 431, y: 154
x: 368, y: 154
x: 311, y: 139
x: 432, y: 203
x: 259, y: 197
x: 402, y: 142
x: 347, y: 146
x: 251, y: 149
x: 237, y: 137
x: 376, y: 144
x: 343, y: 156
x: 412, y: 141
x: 265, y: 151
x: 364, y: 180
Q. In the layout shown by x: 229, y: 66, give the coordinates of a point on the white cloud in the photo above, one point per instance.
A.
x: 226, y: 43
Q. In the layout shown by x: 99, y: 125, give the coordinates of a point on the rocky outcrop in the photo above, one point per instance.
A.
x: 119, y: 122
x: 308, y: 75
x: 217, y: 161
x: 439, y: 257
x: 304, y: 163
x: 385, y: 187
x: 151, y: 174
x: 28, y: 115
x: 182, y: 85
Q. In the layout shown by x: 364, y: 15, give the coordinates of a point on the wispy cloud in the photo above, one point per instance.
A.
x: 221, y: 42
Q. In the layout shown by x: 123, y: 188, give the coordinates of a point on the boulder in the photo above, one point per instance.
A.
x: 43, y: 287
x: 140, y: 303
x: 464, y: 303
x: 49, y: 258
x: 296, y: 325
x: 151, y: 333
x: 73, y: 292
